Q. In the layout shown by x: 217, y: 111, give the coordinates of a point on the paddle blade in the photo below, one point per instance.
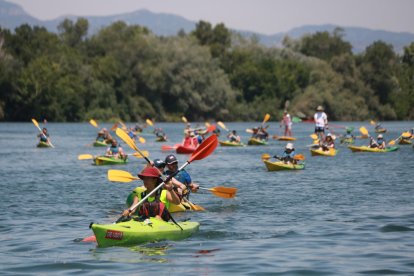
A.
x: 85, y: 157
x: 121, y: 176
x: 313, y: 136
x: 222, y: 125
x: 266, y: 156
x: 193, y: 206
x: 363, y: 131
x: 114, y: 127
x: 391, y: 143
x: 141, y: 140
x: 35, y: 123
x: 211, y: 128
x: 205, y: 149
x: 299, y: 157
x: 149, y: 122
x: 165, y: 147
x: 184, y: 119
x: 125, y: 137
x: 224, y: 192
x: 248, y: 130
x: 406, y: 134
x: 93, y: 123
x: 139, y: 155
x: 266, y: 118
x: 372, y: 122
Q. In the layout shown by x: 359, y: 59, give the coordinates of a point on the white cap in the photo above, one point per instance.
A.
x: 380, y: 136
x: 289, y: 146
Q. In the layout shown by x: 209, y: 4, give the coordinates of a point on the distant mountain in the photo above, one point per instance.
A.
x: 12, y: 15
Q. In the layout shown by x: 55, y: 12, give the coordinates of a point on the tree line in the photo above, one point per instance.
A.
x: 127, y: 72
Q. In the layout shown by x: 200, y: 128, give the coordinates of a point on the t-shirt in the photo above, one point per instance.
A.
x: 320, y: 118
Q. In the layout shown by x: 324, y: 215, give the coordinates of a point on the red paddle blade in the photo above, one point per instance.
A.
x: 211, y: 128
x: 205, y: 149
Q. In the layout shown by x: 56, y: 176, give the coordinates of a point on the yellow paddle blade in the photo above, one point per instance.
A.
x: 266, y: 118
x: 85, y: 156
x: 149, y: 122
x: 121, y: 176
x: 35, y: 122
x: 138, y: 155
x: 265, y: 156
x: 125, y: 137
x: 222, y: 125
x: 391, y: 143
x: 184, y: 119
x: 406, y: 134
x: 193, y: 206
x: 313, y: 136
x: 363, y: 131
x: 93, y: 123
x: 248, y: 130
x: 141, y: 140
x: 372, y: 122
x: 224, y: 192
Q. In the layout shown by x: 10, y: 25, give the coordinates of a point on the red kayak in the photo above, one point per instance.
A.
x: 185, y: 149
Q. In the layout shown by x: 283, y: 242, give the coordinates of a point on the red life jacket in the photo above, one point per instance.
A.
x: 154, y: 208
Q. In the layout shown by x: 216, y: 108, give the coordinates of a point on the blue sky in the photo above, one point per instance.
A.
x: 264, y: 16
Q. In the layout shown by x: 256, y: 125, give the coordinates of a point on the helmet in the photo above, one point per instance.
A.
x: 158, y: 163
x: 329, y: 135
x: 170, y: 159
x: 380, y: 136
x: 319, y: 108
x: 149, y: 172
x: 289, y: 146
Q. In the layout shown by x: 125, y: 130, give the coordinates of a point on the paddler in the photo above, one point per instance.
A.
x: 287, y: 122
x: 379, y: 143
x: 321, y: 122
x: 328, y: 142
x: 103, y: 135
x: 114, y: 150
x: 157, y: 205
x: 44, y: 136
x: 288, y: 155
x: 233, y: 137
x: 182, y: 176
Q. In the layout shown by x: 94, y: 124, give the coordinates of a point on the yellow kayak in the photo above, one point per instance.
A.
x: 320, y: 152
x: 282, y: 166
x: 368, y: 149
x: 284, y: 138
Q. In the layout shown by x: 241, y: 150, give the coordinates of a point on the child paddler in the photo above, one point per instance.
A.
x: 114, y: 150
x: 157, y: 204
x: 288, y: 155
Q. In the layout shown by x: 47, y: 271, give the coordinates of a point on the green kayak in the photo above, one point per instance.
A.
x: 43, y: 145
x: 100, y: 144
x: 257, y: 142
x: 231, y: 144
x: 368, y: 149
x: 282, y: 166
x: 104, y: 160
x: 135, y: 232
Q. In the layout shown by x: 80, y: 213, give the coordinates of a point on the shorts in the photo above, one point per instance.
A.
x: 319, y: 129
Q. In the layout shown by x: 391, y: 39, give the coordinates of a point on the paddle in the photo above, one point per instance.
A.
x: 265, y: 119
x: 266, y: 156
x: 184, y: 119
x: 125, y: 137
x: 372, y: 122
x: 220, y: 191
x: 41, y: 132
x: 93, y: 123
x: 364, y: 131
x: 90, y: 156
x: 314, y: 136
x: 149, y: 122
x: 406, y: 134
x: 223, y: 126
x: 204, y: 150
x: 165, y: 147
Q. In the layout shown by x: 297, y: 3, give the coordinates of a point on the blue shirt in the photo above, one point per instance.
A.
x: 285, y: 154
x: 182, y: 176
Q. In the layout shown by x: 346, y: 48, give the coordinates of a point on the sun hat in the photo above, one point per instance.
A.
x: 149, y: 172
x: 319, y: 108
x: 289, y: 146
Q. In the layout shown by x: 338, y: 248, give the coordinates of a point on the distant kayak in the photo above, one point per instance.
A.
x: 160, y: 139
x: 184, y: 149
x: 404, y: 142
x: 282, y: 166
x: 100, y: 144
x: 105, y: 160
x: 257, y: 142
x: 380, y: 130
x: 43, y: 145
x: 284, y: 138
x: 320, y: 152
x: 136, y: 232
x: 231, y: 144
x: 368, y: 149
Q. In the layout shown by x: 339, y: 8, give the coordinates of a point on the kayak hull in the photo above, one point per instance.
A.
x: 368, y: 149
x: 257, y: 142
x: 103, y: 160
x: 43, y: 145
x: 320, y: 152
x: 160, y: 139
x: 100, y: 144
x: 381, y: 130
x: 284, y: 138
x: 231, y: 144
x: 282, y: 166
x: 404, y: 142
x: 184, y: 150
x: 135, y: 232
x: 348, y: 141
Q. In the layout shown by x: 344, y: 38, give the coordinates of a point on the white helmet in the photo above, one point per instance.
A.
x: 289, y: 146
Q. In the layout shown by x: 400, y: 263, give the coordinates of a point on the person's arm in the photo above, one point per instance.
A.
x: 126, y: 212
x: 171, y: 195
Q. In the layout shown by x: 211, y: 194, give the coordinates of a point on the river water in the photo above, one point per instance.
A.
x: 348, y: 214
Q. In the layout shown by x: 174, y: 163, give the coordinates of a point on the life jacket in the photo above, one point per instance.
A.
x: 154, y: 208
x: 114, y: 150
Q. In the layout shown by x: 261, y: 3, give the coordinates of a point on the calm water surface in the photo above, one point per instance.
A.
x: 350, y: 214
